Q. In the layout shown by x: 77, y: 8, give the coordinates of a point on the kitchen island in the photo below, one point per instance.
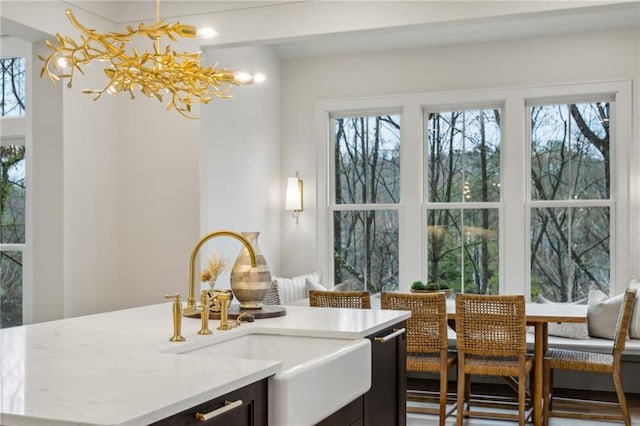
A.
x: 119, y: 368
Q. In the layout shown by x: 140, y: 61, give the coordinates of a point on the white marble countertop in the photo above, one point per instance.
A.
x: 119, y: 368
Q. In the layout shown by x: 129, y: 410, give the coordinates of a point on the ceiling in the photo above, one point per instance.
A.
x: 592, y: 17
x: 124, y: 12
x: 470, y: 30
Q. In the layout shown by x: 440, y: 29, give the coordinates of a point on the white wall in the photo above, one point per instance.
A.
x: 241, y: 181
x: 90, y: 193
x: 46, y: 143
x: 158, y: 178
x: 521, y: 62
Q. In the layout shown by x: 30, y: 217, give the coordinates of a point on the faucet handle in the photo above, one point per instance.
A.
x: 177, y: 317
x: 204, y: 313
x: 245, y: 316
x: 175, y: 296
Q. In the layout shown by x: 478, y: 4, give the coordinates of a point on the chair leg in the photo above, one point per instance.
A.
x: 546, y: 393
x: 551, y: 373
x: 522, y: 394
x: 460, y: 397
x: 622, y: 400
x: 467, y: 390
x: 443, y: 395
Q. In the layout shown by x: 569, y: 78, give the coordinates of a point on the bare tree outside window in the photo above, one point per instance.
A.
x: 366, y: 185
x: 12, y: 231
x: 12, y: 196
x: 570, y: 166
x: 544, y: 212
x: 463, y: 192
x: 12, y: 103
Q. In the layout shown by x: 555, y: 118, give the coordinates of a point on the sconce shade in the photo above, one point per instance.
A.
x: 294, y: 194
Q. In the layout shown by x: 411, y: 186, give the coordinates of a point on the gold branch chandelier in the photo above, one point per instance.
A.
x: 159, y: 73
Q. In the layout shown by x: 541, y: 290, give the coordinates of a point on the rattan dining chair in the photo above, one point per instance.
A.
x: 340, y: 299
x: 491, y: 340
x: 427, y: 344
x: 589, y: 362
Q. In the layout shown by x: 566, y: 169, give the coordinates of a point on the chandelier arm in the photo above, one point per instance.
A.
x: 158, y: 20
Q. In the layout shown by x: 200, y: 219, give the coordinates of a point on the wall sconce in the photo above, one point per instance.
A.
x: 294, y: 196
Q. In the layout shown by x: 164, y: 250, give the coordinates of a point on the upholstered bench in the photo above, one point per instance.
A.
x: 596, y: 344
x: 600, y: 382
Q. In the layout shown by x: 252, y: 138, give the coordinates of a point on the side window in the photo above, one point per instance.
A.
x: 12, y: 196
x: 462, y: 170
x: 571, y: 205
x: 12, y: 103
x: 365, y: 186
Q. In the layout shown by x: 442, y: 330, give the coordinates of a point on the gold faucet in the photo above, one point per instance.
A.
x: 191, y: 309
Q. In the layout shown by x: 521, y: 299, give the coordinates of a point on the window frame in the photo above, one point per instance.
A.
x: 617, y: 166
x: 16, y: 130
x: 514, y: 240
x: 362, y: 207
x: 427, y: 205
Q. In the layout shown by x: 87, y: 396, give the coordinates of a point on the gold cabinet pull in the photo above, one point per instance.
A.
x: 228, y: 406
x: 390, y: 336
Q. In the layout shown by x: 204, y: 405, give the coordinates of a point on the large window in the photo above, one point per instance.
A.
x: 512, y: 191
x: 12, y: 195
x: 463, y: 195
x: 366, y: 193
x: 570, y: 198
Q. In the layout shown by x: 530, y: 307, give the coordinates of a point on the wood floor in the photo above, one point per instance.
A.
x: 633, y: 401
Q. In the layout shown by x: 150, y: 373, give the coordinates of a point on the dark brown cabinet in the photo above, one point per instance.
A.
x: 384, y: 403
x: 350, y: 415
x: 249, y: 409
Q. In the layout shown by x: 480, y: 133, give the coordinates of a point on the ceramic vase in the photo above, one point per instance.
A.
x: 250, y: 285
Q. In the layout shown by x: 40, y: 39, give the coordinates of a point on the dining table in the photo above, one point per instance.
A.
x: 539, y: 315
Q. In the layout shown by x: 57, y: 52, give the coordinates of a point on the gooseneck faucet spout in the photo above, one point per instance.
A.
x: 190, y: 309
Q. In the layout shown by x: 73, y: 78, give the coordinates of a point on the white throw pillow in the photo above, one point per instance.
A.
x: 290, y: 289
x: 565, y: 329
x: 311, y: 284
x: 634, y: 325
x: 602, y: 313
x: 346, y: 285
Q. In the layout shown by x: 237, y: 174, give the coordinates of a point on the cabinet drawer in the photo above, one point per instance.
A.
x: 251, y: 411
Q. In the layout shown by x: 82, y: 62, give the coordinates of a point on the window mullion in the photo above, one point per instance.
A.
x: 514, y: 236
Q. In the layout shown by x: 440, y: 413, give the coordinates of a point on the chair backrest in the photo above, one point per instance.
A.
x: 427, y: 326
x: 340, y: 299
x: 622, y: 326
x: 491, y: 325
